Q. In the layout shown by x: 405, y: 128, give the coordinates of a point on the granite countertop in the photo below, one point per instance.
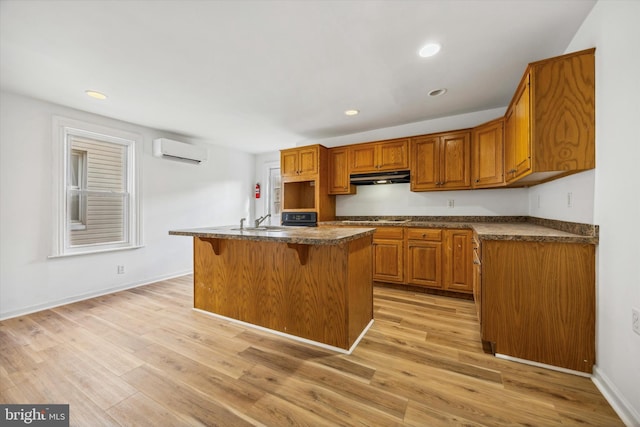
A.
x: 520, y: 228
x: 296, y: 235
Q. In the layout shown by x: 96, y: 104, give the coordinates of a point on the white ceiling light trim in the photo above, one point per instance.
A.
x: 429, y: 50
x: 95, y: 94
x: 352, y: 112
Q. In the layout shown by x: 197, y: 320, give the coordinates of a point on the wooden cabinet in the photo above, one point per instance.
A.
x: 388, y: 254
x: 538, y: 301
x: 518, y: 143
x: 305, y: 181
x: 458, y: 260
x: 477, y: 276
x: 487, y: 155
x: 379, y: 156
x: 300, y: 161
x: 440, y: 259
x: 441, y: 161
x: 339, y: 171
x: 550, y: 122
x: 424, y: 257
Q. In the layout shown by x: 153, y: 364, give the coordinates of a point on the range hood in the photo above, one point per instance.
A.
x: 395, y: 177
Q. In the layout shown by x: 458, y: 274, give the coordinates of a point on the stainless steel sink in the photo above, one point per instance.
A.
x: 261, y: 228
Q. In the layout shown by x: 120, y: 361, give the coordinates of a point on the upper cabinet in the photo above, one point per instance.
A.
x: 441, y: 161
x: 379, y: 156
x: 550, y: 122
x: 487, y: 160
x: 300, y: 161
x: 339, y: 171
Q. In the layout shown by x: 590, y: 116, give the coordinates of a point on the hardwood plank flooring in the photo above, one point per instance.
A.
x: 143, y: 357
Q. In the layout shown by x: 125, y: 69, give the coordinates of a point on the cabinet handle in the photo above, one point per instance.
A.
x: 477, y: 180
x: 424, y: 235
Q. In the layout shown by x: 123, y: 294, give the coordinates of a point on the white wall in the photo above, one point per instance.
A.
x: 551, y: 200
x: 612, y: 27
x: 174, y: 195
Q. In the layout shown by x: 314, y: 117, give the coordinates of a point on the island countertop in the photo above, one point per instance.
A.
x: 297, y: 235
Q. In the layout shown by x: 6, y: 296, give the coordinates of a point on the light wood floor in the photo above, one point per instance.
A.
x: 143, y: 357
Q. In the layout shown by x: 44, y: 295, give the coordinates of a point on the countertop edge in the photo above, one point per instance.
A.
x: 524, y: 228
x: 292, y: 237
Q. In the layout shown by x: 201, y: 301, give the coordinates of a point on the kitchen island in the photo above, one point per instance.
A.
x: 311, y: 283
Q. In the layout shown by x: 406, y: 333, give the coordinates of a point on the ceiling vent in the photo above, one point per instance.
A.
x: 179, y: 151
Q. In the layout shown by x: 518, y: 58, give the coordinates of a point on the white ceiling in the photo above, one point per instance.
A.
x: 265, y: 75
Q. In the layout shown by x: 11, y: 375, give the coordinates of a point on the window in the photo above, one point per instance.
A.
x: 96, y: 205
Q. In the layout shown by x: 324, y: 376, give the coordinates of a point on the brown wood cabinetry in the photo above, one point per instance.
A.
x: 440, y: 259
x: 441, y: 161
x: 538, y: 301
x: 327, y: 298
x: 550, y: 122
x: 458, y: 260
x: 424, y: 257
x: 379, y: 156
x: 305, y: 181
x: 388, y: 254
x: 339, y: 171
x: 300, y: 161
x: 487, y: 155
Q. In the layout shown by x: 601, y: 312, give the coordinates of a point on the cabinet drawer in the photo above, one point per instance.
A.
x: 394, y: 233
x: 429, y: 234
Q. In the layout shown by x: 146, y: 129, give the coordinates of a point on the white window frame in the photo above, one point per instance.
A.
x: 63, y: 128
x: 80, y: 224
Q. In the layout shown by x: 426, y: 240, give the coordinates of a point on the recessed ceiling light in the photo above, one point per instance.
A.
x: 429, y: 50
x: 437, y: 92
x: 95, y: 94
x: 352, y: 112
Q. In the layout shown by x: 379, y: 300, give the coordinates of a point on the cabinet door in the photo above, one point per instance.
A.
x: 459, y: 260
x: 339, y: 172
x: 424, y: 263
x: 393, y: 155
x: 289, y: 162
x: 522, y: 145
x: 424, y: 163
x: 487, y: 163
x: 388, y: 260
x: 308, y: 161
x: 362, y: 158
x: 455, y: 161
x: 509, y: 145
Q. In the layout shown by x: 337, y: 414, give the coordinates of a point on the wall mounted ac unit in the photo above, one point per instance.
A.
x: 180, y: 151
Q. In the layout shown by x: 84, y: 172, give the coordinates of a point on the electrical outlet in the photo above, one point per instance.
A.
x: 569, y: 199
x: 121, y: 269
x: 451, y: 203
x: 635, y: 320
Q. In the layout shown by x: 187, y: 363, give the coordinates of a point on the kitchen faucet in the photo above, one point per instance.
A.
x: 242, y: 220
x: 261, y: 219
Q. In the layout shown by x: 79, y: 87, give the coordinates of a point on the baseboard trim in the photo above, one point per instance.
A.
x: 629, y: 416
x: 543, y: 365
x: 289, y: 336
x: 76, y: 298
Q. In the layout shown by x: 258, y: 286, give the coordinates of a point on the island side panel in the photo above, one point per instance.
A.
x: 539, y: 301
x: 317, y: 295
x: 360, y: 283
x: 263, y: 283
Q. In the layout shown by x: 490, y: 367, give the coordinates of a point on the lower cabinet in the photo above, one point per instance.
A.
x: 441, y: 259
x: 537, y: 301
x: 388, y: 254
x: 430, y: 257
x: 424, y: 257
